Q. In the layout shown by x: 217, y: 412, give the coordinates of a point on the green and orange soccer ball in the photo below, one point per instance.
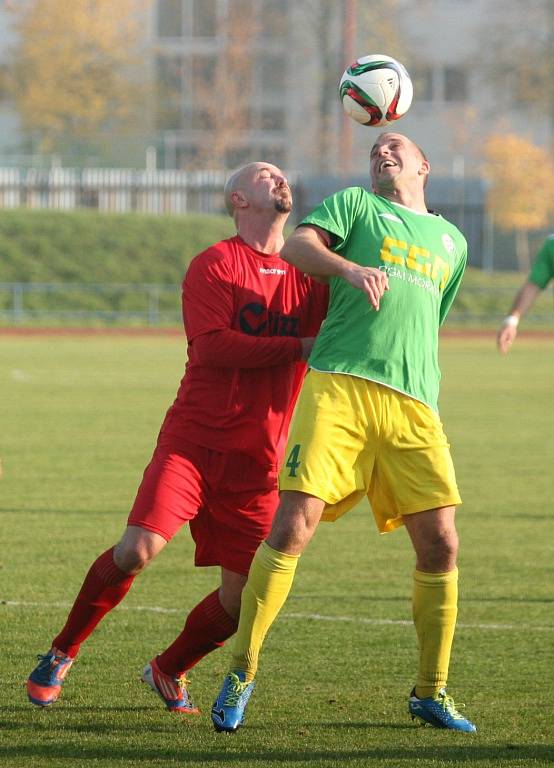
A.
x: 376, y: 90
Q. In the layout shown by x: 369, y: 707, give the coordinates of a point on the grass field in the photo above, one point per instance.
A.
x: 79, y: 418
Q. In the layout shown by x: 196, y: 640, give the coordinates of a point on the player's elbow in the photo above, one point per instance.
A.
x: 289, y: 252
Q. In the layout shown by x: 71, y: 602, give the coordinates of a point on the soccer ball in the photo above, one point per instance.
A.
x: 375, y: 90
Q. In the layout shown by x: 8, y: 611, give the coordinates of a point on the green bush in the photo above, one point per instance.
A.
x: 83, y: 248
x: 91, y: 247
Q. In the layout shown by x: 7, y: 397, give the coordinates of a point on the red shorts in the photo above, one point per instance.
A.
x: 228, y: 499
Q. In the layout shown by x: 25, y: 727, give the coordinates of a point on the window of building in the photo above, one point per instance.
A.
x: 240, y: 12
x: 204, y: 18
x: 169, y: 92
x: 422, y: 78
x: 237, y: 156
x: 273, y: 119
x: 203, y: 107
x: 203, y: 70
x: 274, y: 18
x: 170, y: 18
x: 455, y: 84
x: 201, y: 119
x: 273, y: 70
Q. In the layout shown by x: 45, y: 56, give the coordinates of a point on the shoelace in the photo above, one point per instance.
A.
x: 182, y: 685
x: 448, y: 705
x: 43, y: 656
x: 235, y: 690
x: 48, y: 662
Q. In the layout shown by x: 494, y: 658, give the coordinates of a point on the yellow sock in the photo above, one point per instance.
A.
x: 435, y: 607
x: 269, y: 583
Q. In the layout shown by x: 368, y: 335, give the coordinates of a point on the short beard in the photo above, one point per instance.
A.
x: 283, y: 204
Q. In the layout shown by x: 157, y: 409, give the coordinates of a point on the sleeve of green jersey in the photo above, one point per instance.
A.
x: 542, y: 270
x: 452, y: 287
x: 336, y: 214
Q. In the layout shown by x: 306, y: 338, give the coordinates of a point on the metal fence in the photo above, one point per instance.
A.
x: 176, y: 192
x: 156, y: 305
x: 142, y: 304
x: 113, y: 190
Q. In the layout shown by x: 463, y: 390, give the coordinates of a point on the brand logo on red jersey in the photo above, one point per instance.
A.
x: 256, y: 319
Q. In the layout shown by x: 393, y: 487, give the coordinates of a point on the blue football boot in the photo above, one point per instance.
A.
x: 439, y: 711
x: 229, y: 707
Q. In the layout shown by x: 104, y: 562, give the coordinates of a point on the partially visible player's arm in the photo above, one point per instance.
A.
x: 522, y: 303
x: 452, y: 287
x: 226, y: 348
x: 308, y: 248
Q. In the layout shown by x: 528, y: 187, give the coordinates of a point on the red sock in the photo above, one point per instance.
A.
x: 105, y: 586
x: 207, y: 627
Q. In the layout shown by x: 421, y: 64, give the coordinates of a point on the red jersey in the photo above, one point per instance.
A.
x: 244, y: 313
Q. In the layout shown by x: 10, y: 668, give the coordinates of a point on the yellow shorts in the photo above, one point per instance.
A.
x: 351, y: 438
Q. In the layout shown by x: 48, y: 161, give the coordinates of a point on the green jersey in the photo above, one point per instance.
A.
x: 543, y: 269
x: 424, y: 257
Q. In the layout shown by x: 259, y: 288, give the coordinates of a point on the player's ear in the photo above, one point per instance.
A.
x: 238, y: 199
x: 424, y: 168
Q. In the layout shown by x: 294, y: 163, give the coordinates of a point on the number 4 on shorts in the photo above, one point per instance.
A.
x: 292, y: 461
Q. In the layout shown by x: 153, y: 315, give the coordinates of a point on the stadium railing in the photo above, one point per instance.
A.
x: 156, y: 305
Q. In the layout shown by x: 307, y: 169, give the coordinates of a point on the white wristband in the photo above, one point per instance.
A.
x: 512, y: 320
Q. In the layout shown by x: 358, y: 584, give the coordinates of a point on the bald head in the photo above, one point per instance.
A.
x: 254, y: 185
x: 236, y: 182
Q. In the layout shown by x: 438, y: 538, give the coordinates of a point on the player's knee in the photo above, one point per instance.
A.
x: 137, y: 548
x: 133, y: 557
x: 295, y: 522
x: 440, y: 552
x: 230, y: 601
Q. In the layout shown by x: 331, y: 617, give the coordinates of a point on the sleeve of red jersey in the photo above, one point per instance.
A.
x: 207, y: 297
x: 227, y: 348
x: 208, y: 313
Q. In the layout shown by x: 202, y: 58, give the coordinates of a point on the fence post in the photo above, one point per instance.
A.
x: 488, y: 244
x: 17, y: 302
x: 153, y: 305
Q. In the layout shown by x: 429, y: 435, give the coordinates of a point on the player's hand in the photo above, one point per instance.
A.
x: 373, y: 282
x: 307, y: 345
x: 505, y: 338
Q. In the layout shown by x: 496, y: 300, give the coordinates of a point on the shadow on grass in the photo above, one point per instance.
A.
x: 57, y: 511
x: 466, y: 753
x: 364, y: 598
x: 514, y: 600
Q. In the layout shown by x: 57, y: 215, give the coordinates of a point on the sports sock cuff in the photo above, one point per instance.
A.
x: 435, y: 579
x: 276, y: 561
x: 108, y: 572
x: 217, y: 614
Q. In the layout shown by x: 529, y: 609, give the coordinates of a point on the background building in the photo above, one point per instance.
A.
x: 290, y: 61
x: 10, y: 135
x: 174, y: 93
x: 225, y: 81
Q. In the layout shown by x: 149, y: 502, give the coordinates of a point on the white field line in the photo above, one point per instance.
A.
x: 302, y: 616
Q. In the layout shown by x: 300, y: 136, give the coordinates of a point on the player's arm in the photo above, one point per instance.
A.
x: 226, y: 348
x: 452, y: 287
x: 309, y: 249
x: 523, y: 301
x: 208, y: 309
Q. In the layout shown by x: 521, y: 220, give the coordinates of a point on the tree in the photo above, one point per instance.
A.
x: 521, y: 191
x: 516, y: 52
x: 343, y: 32
x: 74, y: 73
x: 222, y: 88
